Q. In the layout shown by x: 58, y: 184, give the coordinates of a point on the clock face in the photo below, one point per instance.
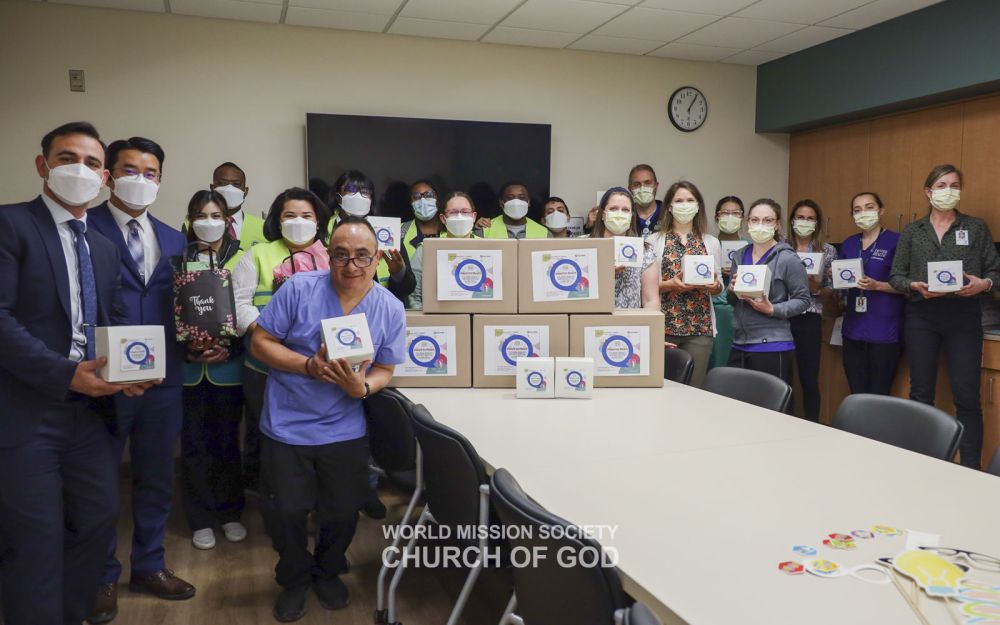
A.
x: 688, y: 109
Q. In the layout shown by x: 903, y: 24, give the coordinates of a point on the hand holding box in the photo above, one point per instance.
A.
x: 134, y: 353
x: 752, y: 281
x: 348, y: 337
x: 944, y: 276
x: 699, y: 270
x: 847, y: 272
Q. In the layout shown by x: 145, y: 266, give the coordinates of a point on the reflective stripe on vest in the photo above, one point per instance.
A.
x: 267, y: 257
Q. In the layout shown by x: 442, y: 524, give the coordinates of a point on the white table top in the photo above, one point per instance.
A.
x: 710, y: 494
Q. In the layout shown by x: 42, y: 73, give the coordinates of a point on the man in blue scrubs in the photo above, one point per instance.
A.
x: 314, y: 448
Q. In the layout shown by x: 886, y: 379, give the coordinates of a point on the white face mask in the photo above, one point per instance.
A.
x: 866, y: 220
x: 459, y: 225
x: 515, y: 209
x: 355, y: 204
x: 803, y: 227
x: 234, y: 197
x: 730, y: 224
x: 556, y: 220
x: 425, y: 208
x: 617, y: 221
x: 684, y: 212
x: 298, y: 230
x: 75, y: 184
x: 643, y: 196
x: 945, y: 199
x: 760, y: 233
x: 135, y: 191
x: 208, y: 230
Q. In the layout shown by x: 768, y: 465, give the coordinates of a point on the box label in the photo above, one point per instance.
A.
x: 469, y: 275
x: 618, y: 350
x: 503, y: 345
x: 574, y: 379
x: 430, y: 351
x: 629, y: 251
x: 137, y: 354
x: 387, y: 231
x: 560, y: 275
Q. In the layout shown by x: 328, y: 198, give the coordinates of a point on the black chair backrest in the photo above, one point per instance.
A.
x: 994, y: 467
x: 549, y: 593
x: 752, y: 387
x: 390, y: 430
x: 453, y: 471
x: 901, y: 422
x: 678, y: 365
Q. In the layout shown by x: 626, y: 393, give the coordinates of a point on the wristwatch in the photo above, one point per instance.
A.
x: 368, y: 391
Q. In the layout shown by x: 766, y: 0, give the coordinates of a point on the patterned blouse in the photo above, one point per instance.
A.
x: 689, y: 313
x: 829, y: 255
x: 628, y: 283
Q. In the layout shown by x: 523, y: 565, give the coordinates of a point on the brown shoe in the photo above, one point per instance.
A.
x: 163, y: 583
x: 106, y: 607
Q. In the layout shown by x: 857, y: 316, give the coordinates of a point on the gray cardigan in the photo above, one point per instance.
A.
x: 789, y: 294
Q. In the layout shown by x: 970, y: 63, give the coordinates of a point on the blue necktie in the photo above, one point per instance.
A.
x: 135, y: 248
x: 88, y: 286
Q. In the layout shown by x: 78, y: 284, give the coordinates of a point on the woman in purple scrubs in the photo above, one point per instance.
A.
x: 874, y: 312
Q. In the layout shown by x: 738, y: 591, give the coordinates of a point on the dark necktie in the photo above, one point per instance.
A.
x: 88, y: 286
x: 135, y: 248
x: 231, y: 229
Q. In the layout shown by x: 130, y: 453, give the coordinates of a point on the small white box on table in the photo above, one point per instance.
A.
x: 534, y: 378
x: 574, y: 378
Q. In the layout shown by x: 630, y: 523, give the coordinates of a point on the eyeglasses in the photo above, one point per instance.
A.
x: 769, y: 221
x: 462, y: 213
x: 425, y: 194
x: 359, y: 261
x: 976, y: 560
x: 730, y: 214
x: 353, y: 188
x: 148, y: 175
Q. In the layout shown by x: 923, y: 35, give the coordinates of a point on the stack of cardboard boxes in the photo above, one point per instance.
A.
x: 488, y: 302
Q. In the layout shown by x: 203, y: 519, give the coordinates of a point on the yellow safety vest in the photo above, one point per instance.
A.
x: 252, y: 233
x: 266, y: 256
x: 412, y: 232
x: 498, y: 230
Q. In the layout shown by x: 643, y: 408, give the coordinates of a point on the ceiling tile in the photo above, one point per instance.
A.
x: 736, y: 32
x: 709, y: 7
x: 753, y: 57
x: 799, y: 11
x: 567, y: 16
x: 345, y: 20
x: 622, y: 45
x: 468, y: 11
x: 876, y: 12
x: 654, y: 24
x: 436, y: 28
x: 802, y: 39
x: 228, y: 9
x: 155, y: 6
x: 378, y: 7
x: 530, y: 37
x: 691, y: 52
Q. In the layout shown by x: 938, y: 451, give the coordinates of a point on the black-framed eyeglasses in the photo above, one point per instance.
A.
x: 425, y: 194
x: 353, y: 188
x: 977, y: 560
x: 359, y: 261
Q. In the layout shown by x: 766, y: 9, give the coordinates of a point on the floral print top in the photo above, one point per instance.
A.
x: 689, y: 313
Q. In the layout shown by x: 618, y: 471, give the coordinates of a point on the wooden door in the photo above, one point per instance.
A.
x: 889, y: 158
x: 981, y: 161
x: 936, y: 136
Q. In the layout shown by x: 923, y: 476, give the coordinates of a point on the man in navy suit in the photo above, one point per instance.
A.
x: 152, y: 423
x: 58, y: 492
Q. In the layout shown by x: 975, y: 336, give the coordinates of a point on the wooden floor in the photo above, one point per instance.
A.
x: 236, y: 586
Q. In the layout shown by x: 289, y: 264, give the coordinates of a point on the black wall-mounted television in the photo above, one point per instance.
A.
x: 471, y: 156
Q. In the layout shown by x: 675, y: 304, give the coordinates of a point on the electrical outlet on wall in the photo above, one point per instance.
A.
x: 76, y: 80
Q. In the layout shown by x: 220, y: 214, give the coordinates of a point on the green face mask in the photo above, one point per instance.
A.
x: 760, y: 233
x: 730, y: 224
x: 643, y: 196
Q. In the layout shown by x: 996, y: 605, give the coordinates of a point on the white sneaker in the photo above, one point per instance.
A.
x: 235, y: 532
x: 203, y: 538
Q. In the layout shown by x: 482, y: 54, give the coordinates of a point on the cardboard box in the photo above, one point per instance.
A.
x: 698, y: 269
x: 499, y: 340
x: 731, y: 250
x: 438, y: 352
x: 534, y: 378
x: 134, y: 353
x: 348, y: 337
x: 628, y: 251
x: 813, y: 262
x: 470, y: 275
x: 847, y: 272
x: 566, y: 276
x: 752, y: 281
x: 387, y: 231
x: 626, y: 347
x: 574, y: 378
x: 945, y: 276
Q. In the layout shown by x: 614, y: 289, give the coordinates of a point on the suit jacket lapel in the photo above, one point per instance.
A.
x: 164, y: 261
x: 106, y: 225
x: 54, y: 250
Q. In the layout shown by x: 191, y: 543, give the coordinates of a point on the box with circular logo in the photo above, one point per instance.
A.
x: 134, y: 353
x: 847, y: 272
x: 731, y: 250
x: 698, y: 269
x: 348, y: 337
x: 534, y: 378
x: 438, y: 352
x: 629, y: 251
x: 387, y: 231
x: 499, y: 340
x: 626, y: 347
x: 566, y: 275
x: 813, y: 262
x: 574, y: 378
x: 752, y: 281
x: 944, y: 276
x: 470, y: 275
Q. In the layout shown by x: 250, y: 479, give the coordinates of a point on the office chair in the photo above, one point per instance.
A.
x: 753, y: 387
x: 900, y: 422
x: 678, y: 365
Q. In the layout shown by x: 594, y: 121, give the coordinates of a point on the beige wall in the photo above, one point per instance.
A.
x: 213, y: 90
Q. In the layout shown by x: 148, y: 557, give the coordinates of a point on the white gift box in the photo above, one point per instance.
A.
x: 944, y: 276
x: 348, y: 337
x: 574, y: 378
x: 534, y: 378
x: 387, y: 232
x: 731, y: 250
x: 813, y: 262
x: 134, y: 353
x: 752, y: 281
x: 628, y: 251
x: 847, y: 272
x: 699, y: 270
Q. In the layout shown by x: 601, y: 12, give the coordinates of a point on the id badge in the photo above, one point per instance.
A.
x: 861, y: 304
x: 961, y: 237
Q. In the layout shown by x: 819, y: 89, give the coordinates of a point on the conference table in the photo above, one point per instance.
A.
x: 708, y: 495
